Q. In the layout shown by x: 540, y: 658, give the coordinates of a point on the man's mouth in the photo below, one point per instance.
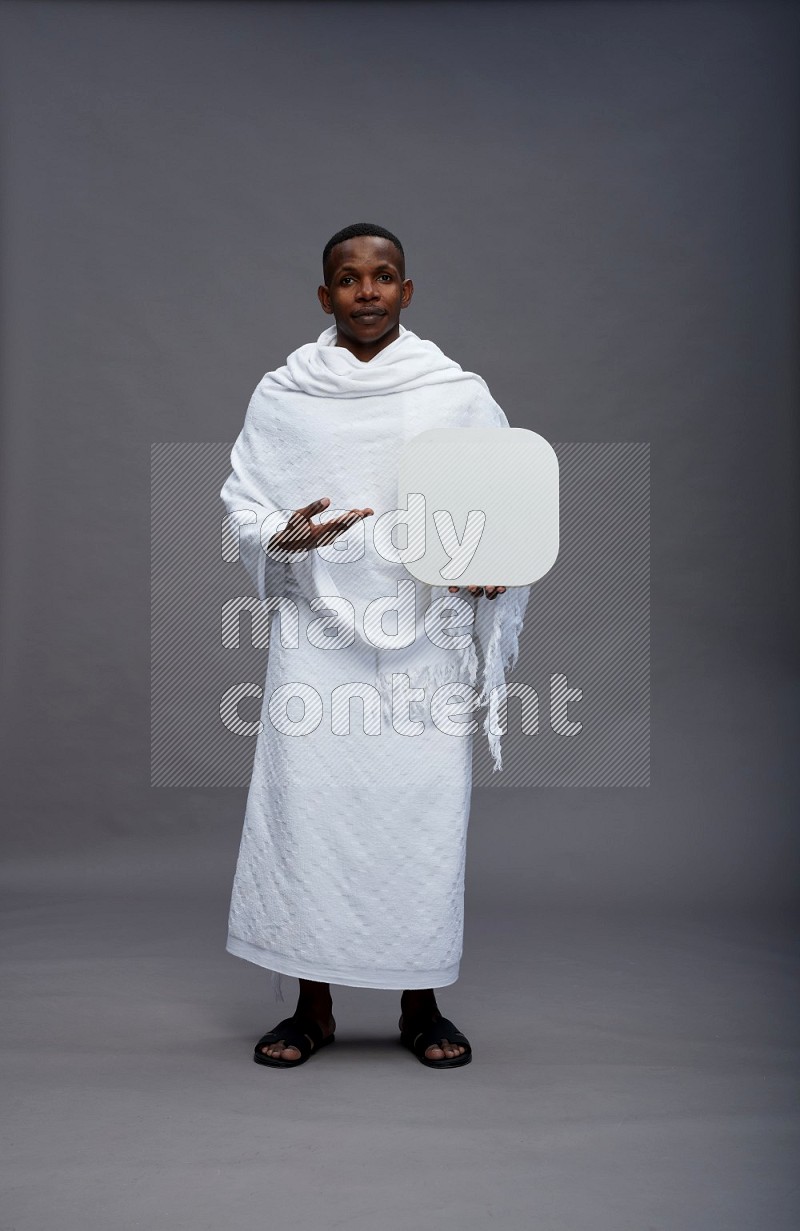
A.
x: 370, y: 312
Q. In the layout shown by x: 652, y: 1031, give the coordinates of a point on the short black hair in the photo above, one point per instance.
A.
x: 351, y: 232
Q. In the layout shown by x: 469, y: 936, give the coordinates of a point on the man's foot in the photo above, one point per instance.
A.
x: 422, y: 1010
x: 324, y: 1020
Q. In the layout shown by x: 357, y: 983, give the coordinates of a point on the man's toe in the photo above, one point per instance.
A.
x: 277, y: 1051
x: 444, y: 1051
x: 451, y: 1049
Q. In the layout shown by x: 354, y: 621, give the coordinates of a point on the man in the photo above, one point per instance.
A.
x: 351, y: 864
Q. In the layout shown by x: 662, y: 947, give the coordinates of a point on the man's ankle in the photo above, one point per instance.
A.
x: 316, y: 1007
x: 413, y: 1000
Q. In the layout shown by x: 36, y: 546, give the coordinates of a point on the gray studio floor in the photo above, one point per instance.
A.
x: 630, y: 1073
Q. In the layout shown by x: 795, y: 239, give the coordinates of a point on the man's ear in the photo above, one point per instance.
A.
x: 408, y: 291
x: 324, y: 298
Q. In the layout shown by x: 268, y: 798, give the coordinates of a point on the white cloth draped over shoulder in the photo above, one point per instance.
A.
x: 351, y: 863
x: 328, y: 424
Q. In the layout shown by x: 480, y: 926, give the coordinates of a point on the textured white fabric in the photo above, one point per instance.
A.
x: 351, y: 863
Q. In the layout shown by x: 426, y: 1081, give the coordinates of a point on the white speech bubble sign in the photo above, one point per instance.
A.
x: 489, y: 499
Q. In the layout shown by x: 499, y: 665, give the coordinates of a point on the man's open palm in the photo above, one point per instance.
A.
x: 301, y: 533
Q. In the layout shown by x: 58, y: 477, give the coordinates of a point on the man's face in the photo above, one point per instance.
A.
x: 365, y: 294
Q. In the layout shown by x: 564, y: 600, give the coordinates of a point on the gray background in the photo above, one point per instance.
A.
x: 599, y: 206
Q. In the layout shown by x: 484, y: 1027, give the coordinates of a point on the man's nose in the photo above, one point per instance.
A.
x: 366, y: 290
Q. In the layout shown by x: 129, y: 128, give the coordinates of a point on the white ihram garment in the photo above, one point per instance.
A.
x: 351, y: 863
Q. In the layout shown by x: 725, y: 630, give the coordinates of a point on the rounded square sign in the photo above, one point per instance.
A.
x: 479, y: 506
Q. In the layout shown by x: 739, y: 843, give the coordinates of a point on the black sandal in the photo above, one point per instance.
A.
x: 419, y: 1038
x: 297, y: 1031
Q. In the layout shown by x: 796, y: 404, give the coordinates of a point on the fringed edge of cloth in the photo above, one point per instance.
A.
x: 500, y: 655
